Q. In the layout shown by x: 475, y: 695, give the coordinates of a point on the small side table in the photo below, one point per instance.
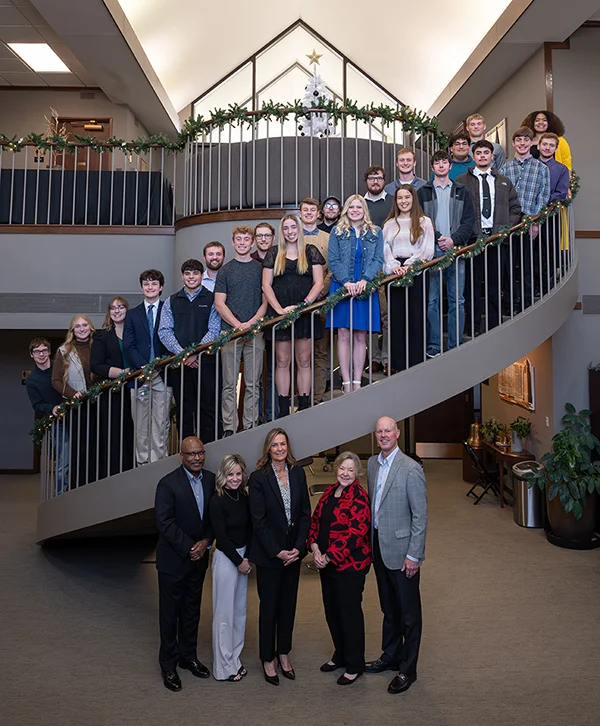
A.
x: 506, y: 457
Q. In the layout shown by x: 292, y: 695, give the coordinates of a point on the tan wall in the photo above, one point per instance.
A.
x: 539, y: 441
x: 522, y: 93
x: 22, y: 112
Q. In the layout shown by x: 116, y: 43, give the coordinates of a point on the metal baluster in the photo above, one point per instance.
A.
x: 407, y: 330
x: 485, y: 290
x: 25, y: 170
x: 201, y: 170
x: 499, y: 283
x: 210, y: 133
x: 174, y: 190
x: 125, y: 172
x: 122, y: 392
x: 327, y: 165
x: 531, y: 268
x: 296, y: 174
x: 51, y: 482
x: 425, y: 304
x: 255, y: 383
x: 312, y: 357
x: 187, y: 174
x: 540, y: 259
x: 219, y: 170
x: 87, y: 183
x: 37, y: 186
x: 370, y: 336
x: 267, y: 165
x: 522, y: 275
x: 181, y: 397
x: 12, y: 187
x: 356, y: 153
x: 99, y: 188
x: 198, y: 394
x: 44, y: 458
x: 109, y: 434
x: 254, y: 132
x: 281, y: 164
x: 293, y: 368
x: 229, y: 168
x: 389, y: 330
x: 331, y: 353
x: 150, y: 186
x: 78, y: 442
x: 343, y: 126
x: 217, y: 412
x: 351, y: 362
x: 441, y: 321
x: 50, y: 177
x: 137, y: 189
x: 311, y: 156
x: 273, y: 370
x: 472, y: 296
x: 134, y: 410
x: 167, y: 407
x: 370, y: 142
x: 66, y: 467
x: 112, y: 186
x: 241, y: 163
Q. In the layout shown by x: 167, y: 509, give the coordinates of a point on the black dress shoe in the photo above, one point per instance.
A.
x: 290, y: 675
x: 402, y: 682
x: 171, y: 680
x: 273, y: 680
x: 343, y: 680
x: 195, y: 668
x: 330, y: 667
x: 378, y: 666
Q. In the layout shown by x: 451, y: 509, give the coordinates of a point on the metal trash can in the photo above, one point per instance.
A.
x: 529, y: 501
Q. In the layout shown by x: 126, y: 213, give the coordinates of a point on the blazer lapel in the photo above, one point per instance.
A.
x: 391, y: 474
x: 275, y: 487
x: 186, y: 487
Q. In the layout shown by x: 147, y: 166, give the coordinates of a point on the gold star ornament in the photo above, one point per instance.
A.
x: 314, y: 58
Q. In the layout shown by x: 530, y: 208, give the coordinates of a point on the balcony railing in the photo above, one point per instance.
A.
x: 76, y: 445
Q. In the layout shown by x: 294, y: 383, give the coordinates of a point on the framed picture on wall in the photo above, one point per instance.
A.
x: 516, y: 384
x: 497, y: 134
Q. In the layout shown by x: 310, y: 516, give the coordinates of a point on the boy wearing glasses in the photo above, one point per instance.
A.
x: 264, y: 235
x: 330, y: 213
x: 45, y: 400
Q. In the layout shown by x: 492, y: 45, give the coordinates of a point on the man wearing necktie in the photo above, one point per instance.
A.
x: 398, y: 494
x: 496, y: 205
x: 150, y: 403
x: 184, y: 537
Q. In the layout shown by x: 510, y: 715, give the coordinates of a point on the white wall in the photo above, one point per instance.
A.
x: 522, y: 93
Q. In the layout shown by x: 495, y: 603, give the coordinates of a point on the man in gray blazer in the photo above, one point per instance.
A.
x: 398, y: 495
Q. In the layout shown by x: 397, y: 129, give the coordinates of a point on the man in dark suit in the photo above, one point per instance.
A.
x: 185, y: 534
x: 150, y: 403
x: 398, y: 495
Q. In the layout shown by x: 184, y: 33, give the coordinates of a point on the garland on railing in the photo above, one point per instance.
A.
x: 411, y: 120
x: 440, y: 263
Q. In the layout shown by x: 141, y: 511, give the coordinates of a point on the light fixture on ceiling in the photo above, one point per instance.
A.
x: 39, y: 57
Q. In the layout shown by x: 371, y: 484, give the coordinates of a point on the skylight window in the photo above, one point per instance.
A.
x: 39, y: 57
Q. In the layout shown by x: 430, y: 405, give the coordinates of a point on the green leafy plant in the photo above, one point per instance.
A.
x: 491, y: 430
x: 521, y: 426
x: 569, y: 469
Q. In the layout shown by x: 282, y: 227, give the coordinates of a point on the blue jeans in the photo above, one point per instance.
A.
x: 61, y: 483
x: 454, y: 276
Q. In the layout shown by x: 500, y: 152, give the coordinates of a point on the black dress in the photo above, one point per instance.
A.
x: 290, y: 289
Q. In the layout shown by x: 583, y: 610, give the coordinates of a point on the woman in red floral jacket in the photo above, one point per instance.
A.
x: 339, y: 538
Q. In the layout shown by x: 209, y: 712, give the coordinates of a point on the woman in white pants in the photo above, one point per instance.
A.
x: 230, y: 518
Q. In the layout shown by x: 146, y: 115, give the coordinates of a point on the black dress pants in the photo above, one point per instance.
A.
x: 400, y: 602
x: 188, y: 398
x: 278, y: 594
x: 81, y: 421
x: 413, y: 298
x: 342, y: 601
x: 179, y: 600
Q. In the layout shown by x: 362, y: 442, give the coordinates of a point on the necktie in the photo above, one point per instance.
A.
x: 151, y: 328
x: 486, y: 209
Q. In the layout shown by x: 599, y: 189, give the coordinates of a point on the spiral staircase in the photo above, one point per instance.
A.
x: 123, y: 504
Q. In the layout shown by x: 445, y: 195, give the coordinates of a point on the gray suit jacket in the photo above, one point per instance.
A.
x: 402, y: 510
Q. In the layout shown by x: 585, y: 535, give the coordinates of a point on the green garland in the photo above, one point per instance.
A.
x: 412, y: 121
x: 440, y: 263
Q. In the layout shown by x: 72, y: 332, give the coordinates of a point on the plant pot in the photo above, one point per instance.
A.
x: 566, y: 527
x: 516, y: 445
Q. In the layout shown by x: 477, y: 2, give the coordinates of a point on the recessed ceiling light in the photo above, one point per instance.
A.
x: 39, y: 57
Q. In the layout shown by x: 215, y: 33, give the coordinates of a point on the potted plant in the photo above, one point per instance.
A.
x: 520, y: 429
x: 570, y: 477
x: 491, y: 430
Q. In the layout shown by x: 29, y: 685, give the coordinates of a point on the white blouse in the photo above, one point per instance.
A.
x: 397, y: 245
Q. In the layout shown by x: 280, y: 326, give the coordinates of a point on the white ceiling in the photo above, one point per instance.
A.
x: 412, y: 49
x: 20, y: 22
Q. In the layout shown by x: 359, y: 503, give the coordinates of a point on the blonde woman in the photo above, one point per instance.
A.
x: 71, y: 377
x: 355, y: 257
x: 230, y: 520
x: 292, y: 274
x: 108, y: 360
x: 280, y: 511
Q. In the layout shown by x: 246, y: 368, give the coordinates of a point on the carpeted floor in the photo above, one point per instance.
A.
x: 511, y: 632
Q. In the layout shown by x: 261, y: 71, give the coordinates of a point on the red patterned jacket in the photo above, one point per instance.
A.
x: 349, y: 536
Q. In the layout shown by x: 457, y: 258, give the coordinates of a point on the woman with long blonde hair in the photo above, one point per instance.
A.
x: 355, y: 258
x: 108, y: 360
x: 292, y: 274
x: 280, y: 512
x: 71, y: 377
x: 230, y: 520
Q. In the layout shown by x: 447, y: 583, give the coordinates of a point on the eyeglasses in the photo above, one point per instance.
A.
x: 114, y: 308
x: 40, y: 351
x: 267, y: 235
x: 331, y: 206
x: 374, y: 178
x: 194, y: 454
x: 460, y: 143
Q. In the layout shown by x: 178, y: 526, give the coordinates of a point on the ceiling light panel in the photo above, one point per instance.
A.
x: 39, y: 57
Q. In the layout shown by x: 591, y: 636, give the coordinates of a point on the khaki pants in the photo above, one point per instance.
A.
x: 251, y: 351
x: 151, y: 438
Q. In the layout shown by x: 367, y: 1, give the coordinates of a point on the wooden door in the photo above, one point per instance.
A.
x: 440, y: 430
x: 86, y: 159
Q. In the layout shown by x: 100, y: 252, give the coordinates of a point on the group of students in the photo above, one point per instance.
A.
x: 473, y: 190
x: 263, y: 521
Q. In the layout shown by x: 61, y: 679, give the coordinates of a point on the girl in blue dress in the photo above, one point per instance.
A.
x: 355, y: 258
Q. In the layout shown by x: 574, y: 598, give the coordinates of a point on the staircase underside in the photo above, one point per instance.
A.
x: 123, y: 504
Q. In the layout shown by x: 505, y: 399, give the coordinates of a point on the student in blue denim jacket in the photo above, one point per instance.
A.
x: 355, y: 258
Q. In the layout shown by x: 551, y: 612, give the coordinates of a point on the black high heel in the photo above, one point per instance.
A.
x: 273, y: 680
x: 290, y: 675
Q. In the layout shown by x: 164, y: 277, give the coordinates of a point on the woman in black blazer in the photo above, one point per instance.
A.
x: 108, y: 360
x: 280, y: 511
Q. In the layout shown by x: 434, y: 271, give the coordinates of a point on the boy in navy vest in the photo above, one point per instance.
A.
x: 189, y: 318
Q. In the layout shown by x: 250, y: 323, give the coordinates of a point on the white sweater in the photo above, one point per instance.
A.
x: 397, y: 244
